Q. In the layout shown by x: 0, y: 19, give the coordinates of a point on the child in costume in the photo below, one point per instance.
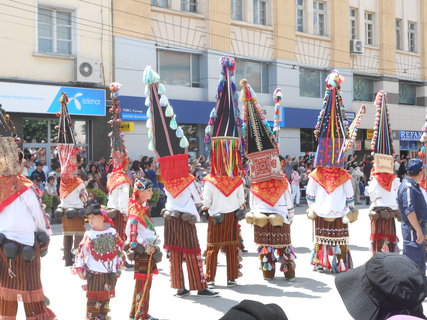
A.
x: 99, y: 260
x: 142, y: 241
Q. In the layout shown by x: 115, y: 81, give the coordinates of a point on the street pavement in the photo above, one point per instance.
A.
x: 312, y: 296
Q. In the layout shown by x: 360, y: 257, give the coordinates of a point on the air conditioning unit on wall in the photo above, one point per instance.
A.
x: 87, y: 70
x: 357, y: 46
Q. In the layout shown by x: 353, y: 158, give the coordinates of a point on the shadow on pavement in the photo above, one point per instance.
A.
x: 257, y: 289
x: 218, y: 303
x: 357, y: 248
x: 302, y: 250
x: 305, y: 283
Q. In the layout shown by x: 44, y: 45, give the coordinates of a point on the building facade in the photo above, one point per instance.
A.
x: 50, y: 47
x: 291, y: 44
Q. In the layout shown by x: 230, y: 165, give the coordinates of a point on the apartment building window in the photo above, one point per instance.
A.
x: 160, y: 3
x: 54, y: 31
x: 407, y: 93
x: 412, y: 36
x: 399, y: 34
x: 260, y: 11
x: 311, y: 82
x: 179, y: 68
x: 300, y: 15
x: 237, y: 10
x: 319, y: 18
x: 353, y: 24
x: 255, y: 72
x: 369, y: 28
x: 363, y: 88
x: 189, y: 5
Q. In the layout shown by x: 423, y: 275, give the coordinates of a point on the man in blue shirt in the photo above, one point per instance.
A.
x: 413, y: 209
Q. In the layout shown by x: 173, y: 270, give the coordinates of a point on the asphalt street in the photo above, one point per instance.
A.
x: 311, y: 296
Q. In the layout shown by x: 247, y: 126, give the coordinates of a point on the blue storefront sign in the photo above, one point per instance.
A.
x: 187, y: 111
x: 35, y: 98
x: 410, y: 135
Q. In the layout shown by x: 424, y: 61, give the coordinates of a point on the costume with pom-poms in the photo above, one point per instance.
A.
x: 383, y: 186
x: 24, y: 234
x: 270, y: 197
x: 223, y: 193
x: 118, y: 183
x: 329, y: 193
x: 72, y: 190
x: 168, y: 141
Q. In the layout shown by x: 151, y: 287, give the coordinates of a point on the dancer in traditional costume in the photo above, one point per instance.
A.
x: 330, y: 194
x: 118, y: 183
x: 99, y: 260
x: 24, y: 234
x: 167, y: 140
x: 223, y: 194
x: 270, y: 196
x: 72, y: 190
x: 142, y: 240
x: 383, y: 185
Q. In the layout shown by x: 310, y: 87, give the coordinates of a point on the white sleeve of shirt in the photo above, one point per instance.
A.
x: 241, y: 195
x: 373, y: 189
x: 37, y: 212
x: 289, y: 201
x: 123, y: 199
x: 349, y: 193
x: 207, y: 194
x: 195, y: 194
x: 311, y: 191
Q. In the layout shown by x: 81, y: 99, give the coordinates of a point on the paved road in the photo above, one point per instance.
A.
x: 312, y: 296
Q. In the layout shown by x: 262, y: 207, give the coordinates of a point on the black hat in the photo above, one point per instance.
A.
x: 254, y: 310
x: 93, y: 209
x: 143, y: 184
x: 387, y: 284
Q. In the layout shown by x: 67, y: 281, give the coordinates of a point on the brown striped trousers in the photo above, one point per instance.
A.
x: 25, y: 281
x: 120, y: 225
x: 100, y: 288
x: 183, y: 244
x: 141, y: 278
x: 73, y: 231
x: 224, y: 235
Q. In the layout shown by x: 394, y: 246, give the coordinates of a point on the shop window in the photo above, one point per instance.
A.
x: 300, y: 15
x: 319, y: 18
x: 189, y: 5
x: 407, y: 93
x: 54, y: 31
x: 311, y: 82
x: 308, y: 141
x: 160, y: 3
x: 40, y: 135
x: 255, y: 72
x: 363, y: 88
x: 237, y: 10
x: 179, y: 68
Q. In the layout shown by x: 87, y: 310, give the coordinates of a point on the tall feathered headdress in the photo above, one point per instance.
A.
x: 67, y: 150
x: 167, y: 139
x: 382, y: 140
x: 260, y: 148
x: 331, y: 129
x: 223, y: 129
